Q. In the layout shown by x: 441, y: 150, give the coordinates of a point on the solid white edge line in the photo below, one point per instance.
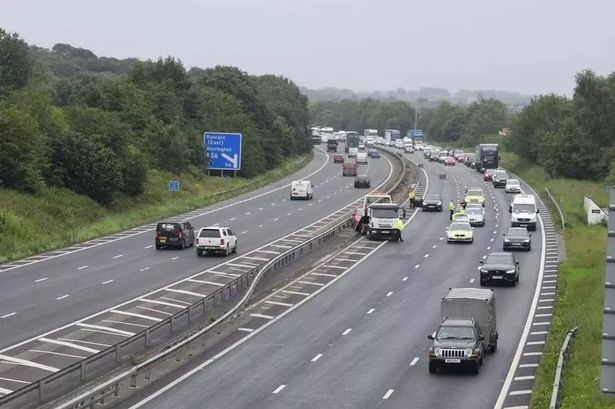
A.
x: 528, y: 324
x: 64, y: 253
x: 187, y: 375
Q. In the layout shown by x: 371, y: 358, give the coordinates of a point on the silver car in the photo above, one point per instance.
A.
x: 477, y: 217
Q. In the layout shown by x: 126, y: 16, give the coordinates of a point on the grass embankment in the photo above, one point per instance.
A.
x: 57, y: 217
x: 579, y: 293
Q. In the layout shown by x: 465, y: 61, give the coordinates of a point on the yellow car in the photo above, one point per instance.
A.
x: 474, y: 195
x: 460, y: 231
x: 461, y: 217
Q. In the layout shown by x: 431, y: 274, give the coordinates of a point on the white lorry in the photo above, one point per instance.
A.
x: 467, y: 330
x: 375, y: 219
x: 301, y: 189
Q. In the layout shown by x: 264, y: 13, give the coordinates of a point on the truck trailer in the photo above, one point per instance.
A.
x: 467, y: 330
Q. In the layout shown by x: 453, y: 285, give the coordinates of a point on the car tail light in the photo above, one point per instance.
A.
x: 222, y: 242
x: 157, y: 234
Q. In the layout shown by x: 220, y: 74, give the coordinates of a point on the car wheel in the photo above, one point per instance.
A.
x: 199, y: 252
x: 472, y: 241
x: 517, y: 279
x: 183, y: 244
x: 158, y: 246
x: 235, y: 248
x: 433, y: 367
x: 476, y: 368
x: 227, y: 251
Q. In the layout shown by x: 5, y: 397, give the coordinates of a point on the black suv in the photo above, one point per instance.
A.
x: 499, y: 267
x: 433, y: 201
x: 499, y: 178
x: 174, y: 234
x: 517, y: 238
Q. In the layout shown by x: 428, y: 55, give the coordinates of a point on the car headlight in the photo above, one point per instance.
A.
x: 526, y: 240
x: 506, y: 241
x: 510, y: 271
x: 484, y: 270
x: 437, y: 351
x: 439, y: 204
x: 468, y: 352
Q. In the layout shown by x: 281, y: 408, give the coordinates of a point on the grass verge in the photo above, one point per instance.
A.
x: 57, y: 217
x: 580, y: 289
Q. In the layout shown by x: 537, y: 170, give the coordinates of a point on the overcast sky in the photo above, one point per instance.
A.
x: 529, y: 46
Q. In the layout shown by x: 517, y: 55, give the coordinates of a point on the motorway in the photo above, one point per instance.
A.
x: 43, y: 296
x: 362, y: 343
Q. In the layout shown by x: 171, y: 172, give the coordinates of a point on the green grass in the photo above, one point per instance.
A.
x: 57, y: 217
x: 580, y: 289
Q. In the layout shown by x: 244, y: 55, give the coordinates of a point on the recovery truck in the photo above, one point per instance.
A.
x: 467, y: 330
x: 375, y: 219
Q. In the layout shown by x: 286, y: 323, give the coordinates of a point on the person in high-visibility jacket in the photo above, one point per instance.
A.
x: 451, y: 209
x: 399, y: 226
x: 411, y: 195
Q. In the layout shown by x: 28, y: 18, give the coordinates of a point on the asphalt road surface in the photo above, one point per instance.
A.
x: 40, y: 297
x: 362, y: 342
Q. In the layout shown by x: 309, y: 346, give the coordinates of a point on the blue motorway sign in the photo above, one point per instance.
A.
x: 223, y: 150
x: 173, y: 185
x: 417, y: 132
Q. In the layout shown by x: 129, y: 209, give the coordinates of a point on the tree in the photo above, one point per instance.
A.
x: 87, y: 166
x: 21, y: 155
x: 544, y: 115
x: 15, y: 63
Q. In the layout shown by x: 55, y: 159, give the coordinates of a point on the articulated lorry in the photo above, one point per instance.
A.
x: 375, y: 219
x: 467, y: 330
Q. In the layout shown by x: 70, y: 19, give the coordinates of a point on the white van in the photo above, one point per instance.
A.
x: 399, y: 143
x: 524, y: 211
x: 301, y: 189
x: 361, y: 157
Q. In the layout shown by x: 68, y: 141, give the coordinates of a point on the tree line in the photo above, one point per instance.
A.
x: 99, y: 128
x: 571, y: 137
x: 445, y: 123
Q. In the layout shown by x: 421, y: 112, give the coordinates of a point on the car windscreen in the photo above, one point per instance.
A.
x: 447, y: 332
x: 432, y: 198
x: 474, y: 211
x: 523, y: 208
x: 460, y: 226
x: 384, y: 213
x: 209, y: 233
x: 499, y: 259
x: 501, y: 175
x: 474, y: 192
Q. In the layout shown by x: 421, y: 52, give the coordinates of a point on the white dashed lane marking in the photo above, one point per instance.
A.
x: 279, y: 389
x: 347, y: 331
x: 40, y: 280
x: 62, y: 297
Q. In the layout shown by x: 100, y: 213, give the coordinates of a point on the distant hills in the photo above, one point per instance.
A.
x: 427, y: 96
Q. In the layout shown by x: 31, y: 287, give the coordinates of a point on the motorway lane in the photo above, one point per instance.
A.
x: 389, y: 313
x: 48, y: 294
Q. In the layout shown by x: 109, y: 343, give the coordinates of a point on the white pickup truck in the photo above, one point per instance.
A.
x: 215, y: 239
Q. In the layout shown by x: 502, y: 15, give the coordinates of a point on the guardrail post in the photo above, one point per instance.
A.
x: 117, y: 353
x: 82, y: 370
x: 116, y: 390
x: 133, y: 380
x: 147, y: 337
x: 41, y: 390
x: 147, y: 374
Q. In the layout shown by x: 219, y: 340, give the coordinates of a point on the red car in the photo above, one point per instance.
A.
x: 338, y: 158
x: 449, y: 161
x: 460, y: 157
x: 488, y: 177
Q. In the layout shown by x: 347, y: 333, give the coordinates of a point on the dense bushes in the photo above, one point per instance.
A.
x: 99, y: 134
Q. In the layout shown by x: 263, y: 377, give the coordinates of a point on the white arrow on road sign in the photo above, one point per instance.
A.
x: 233, y: 160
